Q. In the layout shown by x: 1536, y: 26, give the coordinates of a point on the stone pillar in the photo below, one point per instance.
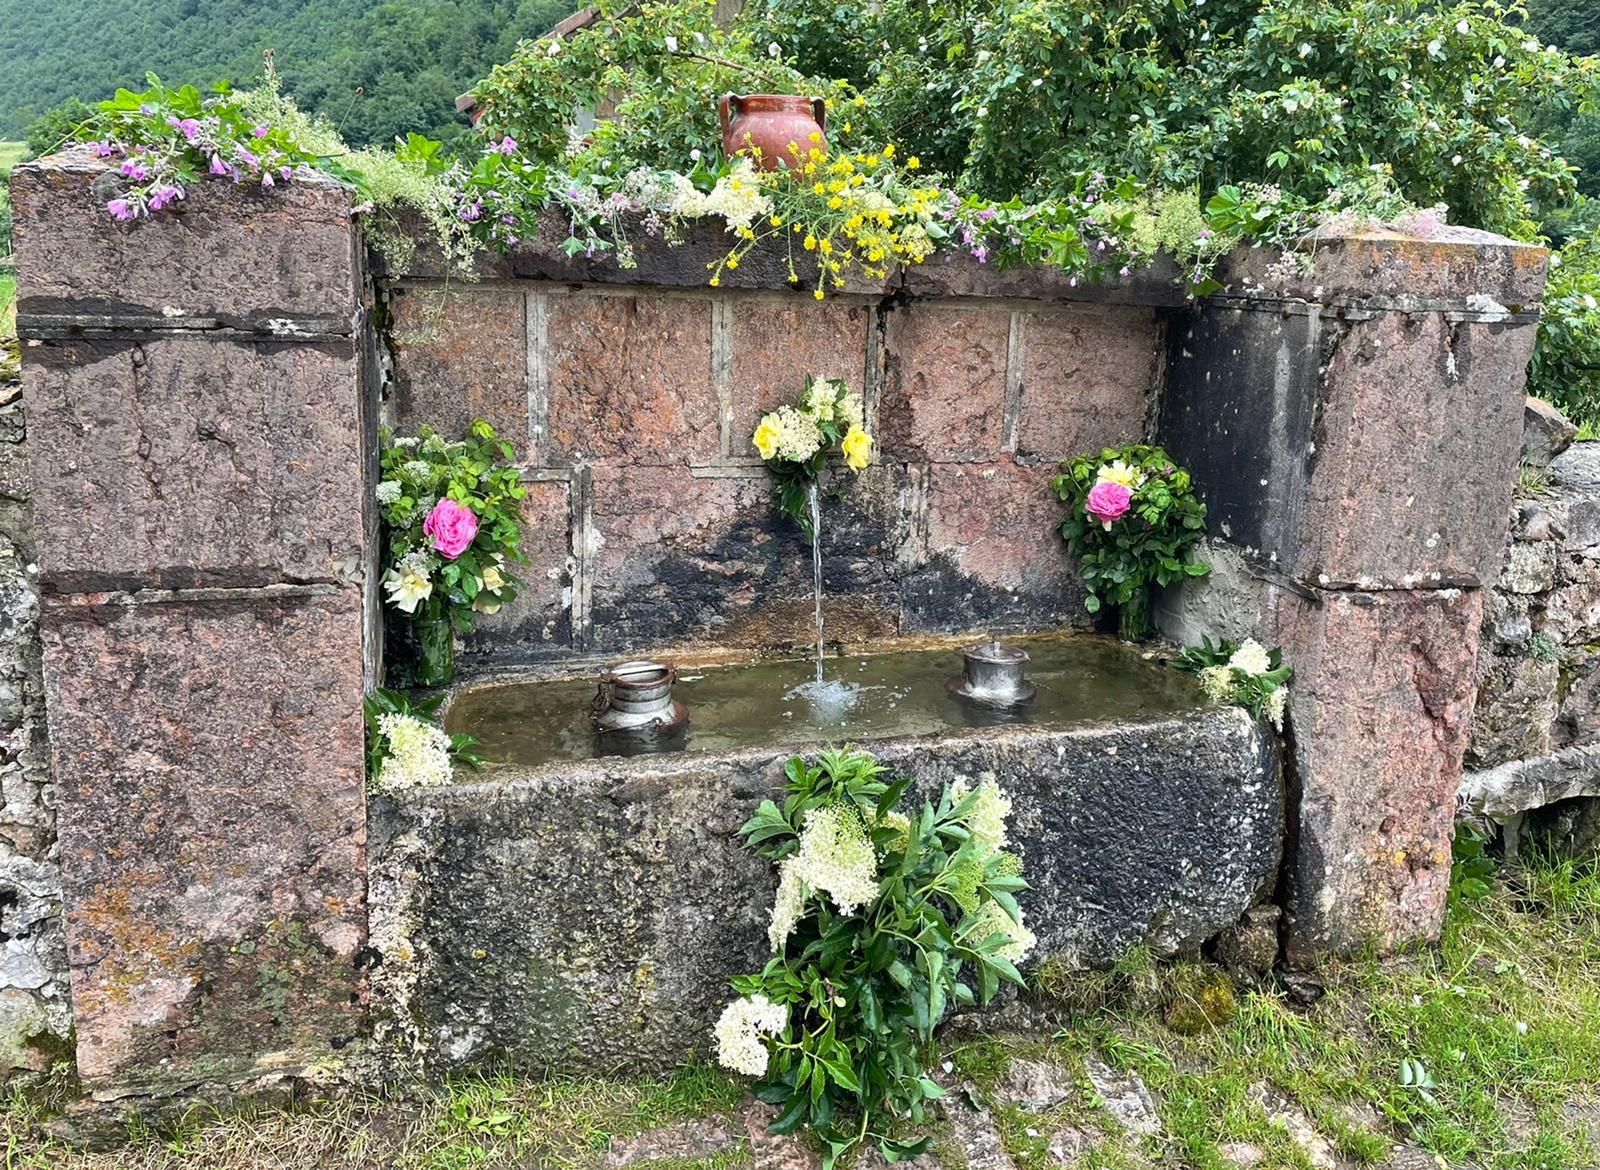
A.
x: 197, y: 425
x: 1356, y: 433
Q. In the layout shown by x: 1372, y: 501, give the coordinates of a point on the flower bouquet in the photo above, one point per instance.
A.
x: 795, y: 442
x: 1245, y: 674
x: 1132, y: 517
x: 451, y: 525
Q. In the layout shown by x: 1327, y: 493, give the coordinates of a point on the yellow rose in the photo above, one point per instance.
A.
x: 857, y: 448
x: 492, y: 580
x: 766, y: 436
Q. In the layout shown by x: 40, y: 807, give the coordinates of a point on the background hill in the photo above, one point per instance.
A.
x: 412, y: 57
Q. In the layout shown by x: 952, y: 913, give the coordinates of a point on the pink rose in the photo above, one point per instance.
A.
x: 1108, y: 501
x: 452, y: 528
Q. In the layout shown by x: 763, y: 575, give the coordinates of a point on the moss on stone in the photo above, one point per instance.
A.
x: 1199, y: 999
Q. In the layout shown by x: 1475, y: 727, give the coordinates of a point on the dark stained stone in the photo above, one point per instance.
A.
x: 590, y: 914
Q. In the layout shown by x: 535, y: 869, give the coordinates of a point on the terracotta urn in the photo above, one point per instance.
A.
x: 769, y: 122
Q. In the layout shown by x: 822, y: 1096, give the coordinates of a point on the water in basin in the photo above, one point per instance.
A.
x: 1080, y: 678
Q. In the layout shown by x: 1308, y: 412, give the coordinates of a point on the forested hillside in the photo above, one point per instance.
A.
x: 411, y: 57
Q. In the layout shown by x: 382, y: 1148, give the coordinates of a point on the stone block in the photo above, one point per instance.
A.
x: 1379, y: 706
x: 176, y: 462
x: 588, y: 915
x: 1578, y: 720
x: 1087, y: 376
x: 539, y: 621
x: 297, y: 243
x: 1546, y: 432
x: 945, y: 383
x: 994, y: 558
x: 1333, y: 449
x: 679, y: 557
x: 212, y: 826
x: 1515, y: 710
x: 1529, y: 568
x: 776, y: 343
x: 955, y: 273
x: 460, y: 353
x: 1522, y: 785
x: 629, y: 380
x: 1482, y: 271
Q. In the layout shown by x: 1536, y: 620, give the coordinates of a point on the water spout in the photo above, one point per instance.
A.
x: 816, y: 568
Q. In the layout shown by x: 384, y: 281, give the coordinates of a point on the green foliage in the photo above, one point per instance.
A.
x: 1566, y: 361
x: 1243, y: 673
x: 377, y: 68
x: 1471, y: 867
x: 862, y: 989
x: 1149, y: 543
x: 385, y: 702
x: 429, y: 585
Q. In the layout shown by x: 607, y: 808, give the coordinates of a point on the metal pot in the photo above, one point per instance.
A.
x: 992, y: 675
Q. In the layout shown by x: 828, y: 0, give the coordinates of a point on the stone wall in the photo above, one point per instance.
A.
x: 35, y: 1001
x: 650, y: 522
x: 1535, y: 738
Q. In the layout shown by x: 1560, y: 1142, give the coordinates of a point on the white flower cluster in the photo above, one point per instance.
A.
x: 1276, y: 702
x: 388, y: 491
x: 836, y: 858
x: 991, y: 920
x: 419, y: 754
x: 739, y: 1031
x: 737, y: 197
x: 798, y: 436
x: 1217, y: 682
x: 1251, y: 657
x: 987, y: 820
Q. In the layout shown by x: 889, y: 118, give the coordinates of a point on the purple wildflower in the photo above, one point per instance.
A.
x: 287, y: 173
x: 121, y: 209
x: 250, y: 160
x: 261, y: 131
x: 1100, y: 247
x: 138, y: 172
x: 145, y: 109
x: 188, y: 127
x: 471, y: 212
x: 986, y: 214
x: 1205, y: 233
x: 163, y: 196
x: 509, y: 220
x: 266, y: 179
x: 218, y: 167
x: 1123, y: 271
x: 511, y: 241
x: 508, y: 146
x: 101, y: 149
x: 981, y: 253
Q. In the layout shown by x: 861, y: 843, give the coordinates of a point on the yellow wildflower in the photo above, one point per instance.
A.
x: 809, y: 243
x: 819, y: 189
x: 818, y: 294
x: 913, y: 163
x: 857, y: 448
x: 716, y: 280
x: 733, y: 261
x: 888, y: 151
x: 816, y: 136
x: 835, y: 203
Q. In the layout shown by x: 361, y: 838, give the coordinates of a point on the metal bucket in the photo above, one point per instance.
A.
x: 992, y: 676
x: 637, y: 696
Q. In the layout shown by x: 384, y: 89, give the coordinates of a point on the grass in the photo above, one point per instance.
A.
x: 1504, y: 1017
x: 11, y: 153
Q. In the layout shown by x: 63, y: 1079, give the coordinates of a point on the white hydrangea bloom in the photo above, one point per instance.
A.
x: 1251, y: 657
x: 991, y: 920
x: 987, y: 820
x: 388, y: 491
x: 419, y: 754
x: 1217, y: 682
x: 739, y: 1031
x: 836, y: 858
x: 788, y: 905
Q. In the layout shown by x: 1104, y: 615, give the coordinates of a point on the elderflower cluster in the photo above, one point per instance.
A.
x: 1277, y: 701
x: 991, y: 919
x: 740, y: 1029
x: 788, y: 433
x: 419, y: 754
x: 1251, y: 658
x: 835, y: 858
x: 1217, y: 682
x: 987, y: 820
x: 737, y: 198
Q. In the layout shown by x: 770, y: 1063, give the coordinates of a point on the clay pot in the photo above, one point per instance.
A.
x: 769, y: 122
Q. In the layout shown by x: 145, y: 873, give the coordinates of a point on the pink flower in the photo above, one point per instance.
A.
x: 1108, y: 502
x: 507, y: 147
x: 121, y: 209
x: 452, y: 528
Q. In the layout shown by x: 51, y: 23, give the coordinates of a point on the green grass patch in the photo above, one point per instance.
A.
x: 11, y: 153
x: 1503, y: 1020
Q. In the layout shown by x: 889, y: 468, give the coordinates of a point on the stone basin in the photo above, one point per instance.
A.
x: 568, y: 910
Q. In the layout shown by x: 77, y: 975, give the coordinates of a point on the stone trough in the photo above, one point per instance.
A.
x: 588, y: 913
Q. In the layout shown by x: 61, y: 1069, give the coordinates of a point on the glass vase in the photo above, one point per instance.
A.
x: 1133, y: 617
x: 436, y: 651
